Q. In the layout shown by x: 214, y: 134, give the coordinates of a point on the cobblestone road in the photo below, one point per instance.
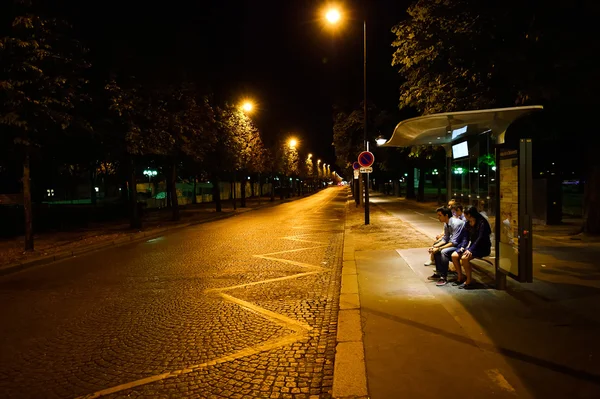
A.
x: 240, y: 308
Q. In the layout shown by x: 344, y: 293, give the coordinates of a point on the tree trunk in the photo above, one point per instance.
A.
x: 272, y: 189
x: 194, y: 201
x: 174, y: 200
x: 135, y: 219
x: 93, y: 194
x: 243, y: 187
x: 168, y: 193
x: 260, y: 188
x: 216, y: 194
x: 233, y: 192
x: 410, y: 184
x: 421, y: 193
x: 591, y: 201
x: 27, y: 207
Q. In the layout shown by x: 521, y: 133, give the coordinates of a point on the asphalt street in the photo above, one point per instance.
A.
x: 244, y: 307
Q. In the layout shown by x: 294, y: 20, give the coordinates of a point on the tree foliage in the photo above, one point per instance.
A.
x: 40, y: 78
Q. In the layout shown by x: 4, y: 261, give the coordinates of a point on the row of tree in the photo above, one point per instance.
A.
x: 53, y: 108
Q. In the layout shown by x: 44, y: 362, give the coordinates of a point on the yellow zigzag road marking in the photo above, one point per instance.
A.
x: 300, y: 329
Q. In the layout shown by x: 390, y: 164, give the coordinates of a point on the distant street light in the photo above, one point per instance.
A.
x: 150, y: 173
x: 293, y: 143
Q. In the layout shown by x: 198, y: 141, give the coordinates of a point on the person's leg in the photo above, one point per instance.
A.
x: 442, y: 260
x: 466, y: 262
x: 437, y: 261
x: 456, y: 263
x: 431, y: 260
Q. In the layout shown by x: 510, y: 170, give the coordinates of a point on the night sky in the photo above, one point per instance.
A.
x: 276, y: 52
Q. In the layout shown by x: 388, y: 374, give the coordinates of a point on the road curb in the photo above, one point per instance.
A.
x: 134, y: 237
x: 349, y: 374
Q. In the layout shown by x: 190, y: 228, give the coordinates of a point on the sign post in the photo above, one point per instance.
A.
x: 366, y: 159
x: 356, y: 183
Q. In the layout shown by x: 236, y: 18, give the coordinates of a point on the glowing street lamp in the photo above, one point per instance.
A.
x: 247, y: 106
x: 150, y: 173
x: 333, y: 16
x: 293, y: 143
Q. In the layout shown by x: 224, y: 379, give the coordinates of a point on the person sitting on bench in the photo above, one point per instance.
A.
x: 478, y: 245
x: 453, y: 234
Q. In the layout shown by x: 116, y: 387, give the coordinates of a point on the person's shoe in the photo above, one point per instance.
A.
x: 458, y: 282
x: 430, y: 263
x: 434, y: 277
x: 441, y: 282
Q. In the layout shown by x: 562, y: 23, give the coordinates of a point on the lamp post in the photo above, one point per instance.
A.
x: 333, y: 16
x: 150, y: 173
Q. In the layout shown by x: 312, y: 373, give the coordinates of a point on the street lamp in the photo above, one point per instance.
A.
x: 247, y: 106
x: 150, y: 173
x: 380, y: 140
x: 334, y: 16
x: 293, y: 143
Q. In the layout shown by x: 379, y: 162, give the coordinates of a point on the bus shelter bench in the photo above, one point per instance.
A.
x: 487, y: 266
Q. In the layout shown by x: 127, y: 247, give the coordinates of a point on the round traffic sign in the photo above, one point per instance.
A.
x: 366, y: 159
x: 355, y: 165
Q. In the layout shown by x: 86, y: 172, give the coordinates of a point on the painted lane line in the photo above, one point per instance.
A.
x: 280, y: 319
x: 261, y: 282
x: 289, y: 250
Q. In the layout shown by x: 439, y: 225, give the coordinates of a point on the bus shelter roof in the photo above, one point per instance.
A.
x: 444, y: 128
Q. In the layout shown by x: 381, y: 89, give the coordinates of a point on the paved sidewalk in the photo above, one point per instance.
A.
x: 530, y: 341
x: 54, y: 246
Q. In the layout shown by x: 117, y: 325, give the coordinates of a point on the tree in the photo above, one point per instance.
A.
x: 181, y: 128
x: 40, y: 85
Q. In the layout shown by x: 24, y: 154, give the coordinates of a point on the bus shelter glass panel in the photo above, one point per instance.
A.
x: 474, y: 174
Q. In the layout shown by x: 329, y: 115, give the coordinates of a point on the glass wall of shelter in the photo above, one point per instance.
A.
x: 473, y: 173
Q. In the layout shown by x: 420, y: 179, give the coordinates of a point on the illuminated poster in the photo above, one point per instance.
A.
x: 508, y: 248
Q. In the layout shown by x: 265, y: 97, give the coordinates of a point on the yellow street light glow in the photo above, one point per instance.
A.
x: 309, y: 156
x: 333, y: 16
x: 293, y: 143
x: 247, y: 106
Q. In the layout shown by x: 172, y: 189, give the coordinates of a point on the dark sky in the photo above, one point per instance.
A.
x: 274, y: 51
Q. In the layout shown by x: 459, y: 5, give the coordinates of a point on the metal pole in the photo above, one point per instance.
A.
x: 365, y: 117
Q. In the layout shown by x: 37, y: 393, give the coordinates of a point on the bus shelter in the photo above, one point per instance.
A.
x: 485, y: 170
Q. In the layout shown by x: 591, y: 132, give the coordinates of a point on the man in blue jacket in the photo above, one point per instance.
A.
x: 454, y: 233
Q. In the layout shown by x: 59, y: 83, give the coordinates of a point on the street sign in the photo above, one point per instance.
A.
x: 355, y: 165
x: 356, y: 173
x: 366, y: 170
x: 366, y: 159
